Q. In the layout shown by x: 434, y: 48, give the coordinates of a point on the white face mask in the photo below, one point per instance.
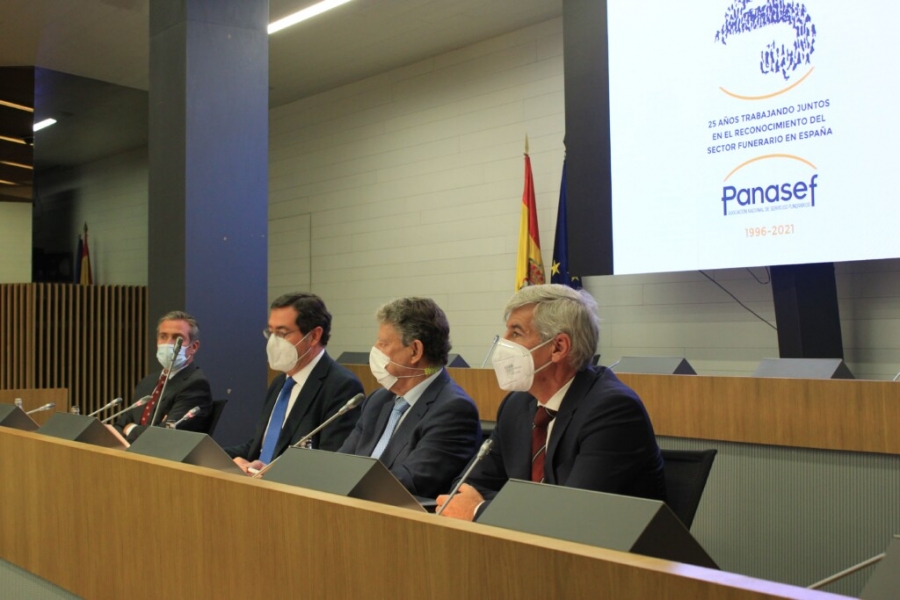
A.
x: 164, y: 356
x: 378, y: 362
x: 514, y: 365
x: 283, y: 354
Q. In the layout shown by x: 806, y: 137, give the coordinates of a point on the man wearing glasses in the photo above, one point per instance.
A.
x: 311, y: 390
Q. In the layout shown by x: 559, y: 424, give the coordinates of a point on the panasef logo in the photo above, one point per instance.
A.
x: 752, y: 188
x: 787, y: 35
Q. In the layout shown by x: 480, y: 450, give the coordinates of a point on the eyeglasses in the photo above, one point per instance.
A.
x: 279, y: 334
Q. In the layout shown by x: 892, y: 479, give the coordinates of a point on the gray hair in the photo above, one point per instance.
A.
x: 419, y: 319
x: 560, y: 309
x: 180, y: 315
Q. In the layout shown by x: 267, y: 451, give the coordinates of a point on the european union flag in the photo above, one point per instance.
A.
x: 559, y: 271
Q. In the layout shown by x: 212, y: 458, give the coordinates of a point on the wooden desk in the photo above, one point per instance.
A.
x: 106, y: 524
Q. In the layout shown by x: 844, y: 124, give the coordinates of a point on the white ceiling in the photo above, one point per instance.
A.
x: 107, y: 40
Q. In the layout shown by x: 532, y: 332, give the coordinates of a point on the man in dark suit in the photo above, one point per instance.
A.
x: 422, y: 426
x: 185, y: 389
x: 312, y: 389
x: 566, y: 422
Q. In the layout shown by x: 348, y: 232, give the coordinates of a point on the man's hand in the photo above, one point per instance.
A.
x: 246, y: 465
x: 463, y: 505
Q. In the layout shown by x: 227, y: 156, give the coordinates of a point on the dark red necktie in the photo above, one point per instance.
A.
x: 148, y: 409
x: 542, y: 419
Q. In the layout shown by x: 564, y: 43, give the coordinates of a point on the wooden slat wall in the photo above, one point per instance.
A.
x: 89, y: 339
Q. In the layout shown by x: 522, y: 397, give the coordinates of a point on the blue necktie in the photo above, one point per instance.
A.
x: 400, y: 406
x: 273, y: 431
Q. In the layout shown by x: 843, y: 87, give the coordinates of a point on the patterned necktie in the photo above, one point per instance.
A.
x: 400, y: 406
x: 542, y: 419
x: 273, y: 431
x: 154, y: 397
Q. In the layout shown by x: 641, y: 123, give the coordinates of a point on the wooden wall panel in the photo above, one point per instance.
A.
x: 32, y: 399
x: 89, y: 339
x: 851, y: 415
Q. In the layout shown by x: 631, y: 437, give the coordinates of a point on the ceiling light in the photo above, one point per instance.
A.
x: 307, y: 13
x: 5, y: 182
x: 15, y: 164
x: 43, y: 124
x: 16, y: 106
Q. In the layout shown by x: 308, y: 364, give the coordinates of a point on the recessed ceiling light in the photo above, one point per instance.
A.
x: 307, y: 13
x: 15, y: 164
x: 44, y: 124
x: 13, y: 140
x: 16, y: 106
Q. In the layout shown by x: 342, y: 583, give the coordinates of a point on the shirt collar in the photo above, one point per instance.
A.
x: 556, y: 399
x: 303, y: 374
x: 414, y: 394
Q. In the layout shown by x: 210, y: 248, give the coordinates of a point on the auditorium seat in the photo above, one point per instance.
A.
x: 218, y: 408
x: 686, y: 475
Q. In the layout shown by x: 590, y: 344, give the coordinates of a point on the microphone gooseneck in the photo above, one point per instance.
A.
x: 350, y: 405
x: 137, y: 404
x: 482, y: 452
x: 187, y: 416
x: 491, y: 350
x: 110, y: 404
x: 164, y: 376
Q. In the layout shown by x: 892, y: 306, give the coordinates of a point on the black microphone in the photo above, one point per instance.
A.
x: 110, y: 404
x: 138, y: 403
x: 350, y: 405
x: 491, y: 350
x: 176, y: 348
x: 482, y: 452
x: 48, y: 406
x: 187, y: 416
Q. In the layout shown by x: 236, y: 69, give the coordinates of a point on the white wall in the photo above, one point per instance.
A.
x: 111, y: 196
x: 15, y: 242
x: 410, y: 183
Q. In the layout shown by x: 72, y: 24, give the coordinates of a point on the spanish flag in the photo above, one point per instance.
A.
x: 85, y: 261
x: 529, y: 264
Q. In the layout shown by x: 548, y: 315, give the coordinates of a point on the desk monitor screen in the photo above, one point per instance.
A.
x: 359, y: 477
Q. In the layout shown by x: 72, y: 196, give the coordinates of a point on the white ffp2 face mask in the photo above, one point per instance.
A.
x: 378, y: 362
x: 514, y: 365
x: 282, y: 354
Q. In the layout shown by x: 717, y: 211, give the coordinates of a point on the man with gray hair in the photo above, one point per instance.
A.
x: 566, y: 422
x: 422, y: 426
x: 186, y: 385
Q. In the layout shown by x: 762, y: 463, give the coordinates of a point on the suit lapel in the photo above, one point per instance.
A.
x: 380, y: 422
x: 303, y: 403
x: 403, y: 433
x: 519, y: 466
x: 173, y: 386
x: 567, y: 408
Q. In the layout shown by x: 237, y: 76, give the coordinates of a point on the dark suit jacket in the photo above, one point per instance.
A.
x: 328, y: 388
x: 601, y: 440
x: 185, y: 390
x: 440, y: 433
